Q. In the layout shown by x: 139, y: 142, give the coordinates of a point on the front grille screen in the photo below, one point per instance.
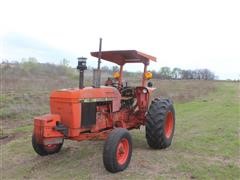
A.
x: 88, y: 117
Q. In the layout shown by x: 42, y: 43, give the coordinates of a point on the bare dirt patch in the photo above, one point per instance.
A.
x: 4, y: 139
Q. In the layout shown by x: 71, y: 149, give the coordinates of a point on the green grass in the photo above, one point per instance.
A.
x: 205, y: 146
x: 22, y: 129
x: 212, y: 123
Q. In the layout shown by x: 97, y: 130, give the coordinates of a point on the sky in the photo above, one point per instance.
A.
x: 186, y: 34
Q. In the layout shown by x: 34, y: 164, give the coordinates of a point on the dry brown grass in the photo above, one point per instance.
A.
x: 183, y: 90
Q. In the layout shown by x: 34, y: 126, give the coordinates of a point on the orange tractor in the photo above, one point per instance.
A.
x: 106, y: 112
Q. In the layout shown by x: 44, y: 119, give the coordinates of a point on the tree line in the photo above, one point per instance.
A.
x: 168, y: 73
x: 177, y: 73
x: 162, y: 73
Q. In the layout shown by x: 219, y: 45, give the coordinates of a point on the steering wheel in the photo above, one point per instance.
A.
x: 128, y: 91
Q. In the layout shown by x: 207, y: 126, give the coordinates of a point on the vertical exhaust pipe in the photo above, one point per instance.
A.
x: 81, y: 67
x: 97, y: 72
x: 99, y: 53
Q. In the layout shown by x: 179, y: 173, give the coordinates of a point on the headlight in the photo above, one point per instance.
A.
x: 148, y: 75
x: 144, y: 91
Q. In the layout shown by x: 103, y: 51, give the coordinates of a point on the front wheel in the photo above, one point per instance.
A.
x: 160, y: 123
x: 44, y: 150
x: 117, y: 150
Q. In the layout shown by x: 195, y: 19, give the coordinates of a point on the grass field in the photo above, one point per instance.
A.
x: 206, y: 144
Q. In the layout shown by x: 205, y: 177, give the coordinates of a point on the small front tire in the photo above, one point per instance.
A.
x: 117, y: 150
x: 44, y: 150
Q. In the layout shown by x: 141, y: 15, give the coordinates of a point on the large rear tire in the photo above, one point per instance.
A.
x: 160, y: 123
x: 117, y: 150
x: 44, y: 150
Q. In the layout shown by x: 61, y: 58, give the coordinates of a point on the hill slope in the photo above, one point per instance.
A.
x: 206, y: 142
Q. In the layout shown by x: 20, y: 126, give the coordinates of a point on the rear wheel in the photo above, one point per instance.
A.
x: 117, y: 150
x: 160, y: 123
x: 44, y: 150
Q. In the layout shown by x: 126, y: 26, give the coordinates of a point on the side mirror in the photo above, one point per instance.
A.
x: 149, y: 84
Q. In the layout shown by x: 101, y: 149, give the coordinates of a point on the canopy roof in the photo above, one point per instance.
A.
x: 125, y: 56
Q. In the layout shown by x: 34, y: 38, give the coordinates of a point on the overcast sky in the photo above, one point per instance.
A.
x: 186, y: 34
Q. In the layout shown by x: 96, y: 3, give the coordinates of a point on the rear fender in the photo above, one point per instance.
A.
x: 151, y: 89
x: 142, y: 95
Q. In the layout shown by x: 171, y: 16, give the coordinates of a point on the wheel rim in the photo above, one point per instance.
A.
x: 122, y: 151
x: 168, y: 128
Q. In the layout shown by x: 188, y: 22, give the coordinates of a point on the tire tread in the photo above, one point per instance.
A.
x: 155, y: 123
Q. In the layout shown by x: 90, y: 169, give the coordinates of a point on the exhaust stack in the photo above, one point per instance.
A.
x: 97, y: 72
x: 99, y: 53
x: 81, y: 67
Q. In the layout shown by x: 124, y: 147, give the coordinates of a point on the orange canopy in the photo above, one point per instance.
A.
x: 125, y: 56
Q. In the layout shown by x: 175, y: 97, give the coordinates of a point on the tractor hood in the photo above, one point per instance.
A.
x: 87, y: 94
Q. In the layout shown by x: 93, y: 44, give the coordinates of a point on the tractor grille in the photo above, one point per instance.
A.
x: 88, y: 117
